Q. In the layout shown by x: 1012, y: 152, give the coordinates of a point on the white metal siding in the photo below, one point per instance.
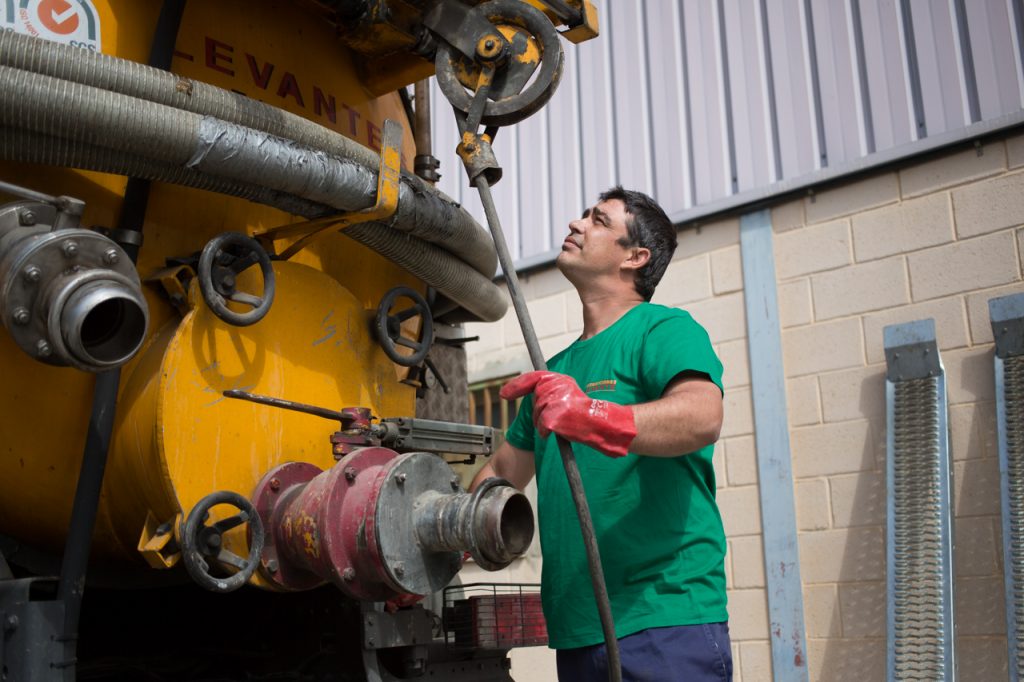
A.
x: 704, y: 102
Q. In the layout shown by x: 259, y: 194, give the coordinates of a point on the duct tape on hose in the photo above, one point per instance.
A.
x: 25, y: 146
x: 225, y: 149
x: 222, y: 148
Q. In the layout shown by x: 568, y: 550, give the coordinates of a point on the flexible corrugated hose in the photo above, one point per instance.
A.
x: 423, y: 211
x: 225, y: 155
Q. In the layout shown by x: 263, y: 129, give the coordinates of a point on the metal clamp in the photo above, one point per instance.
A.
x: 388, y: 184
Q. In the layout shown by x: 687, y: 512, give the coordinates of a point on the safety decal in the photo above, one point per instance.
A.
x: 73, y: 22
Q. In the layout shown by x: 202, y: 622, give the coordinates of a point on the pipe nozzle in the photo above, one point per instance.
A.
x: 494, y: 523
x: 103, y: 323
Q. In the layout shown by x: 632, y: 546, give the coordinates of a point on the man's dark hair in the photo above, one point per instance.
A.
x: 648, y: 227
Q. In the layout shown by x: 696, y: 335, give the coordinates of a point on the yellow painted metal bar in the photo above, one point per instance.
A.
x: 388, y: 185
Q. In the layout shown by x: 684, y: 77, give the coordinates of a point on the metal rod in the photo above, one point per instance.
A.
x: 422, y: 132
x: 25, y: 193
x: 333, y: 415
x: 572, y: 471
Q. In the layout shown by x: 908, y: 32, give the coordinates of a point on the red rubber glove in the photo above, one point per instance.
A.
x: 560, y: 406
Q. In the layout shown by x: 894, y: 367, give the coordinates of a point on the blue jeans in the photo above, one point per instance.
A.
x: 688, y: 653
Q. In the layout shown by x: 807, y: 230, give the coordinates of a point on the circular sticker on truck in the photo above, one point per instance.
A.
x: 73, y: 22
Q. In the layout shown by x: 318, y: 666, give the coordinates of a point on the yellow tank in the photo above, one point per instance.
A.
x: 176, y: 438
x: 243, y: 377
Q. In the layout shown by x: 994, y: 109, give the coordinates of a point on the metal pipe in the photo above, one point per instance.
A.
x: 425, y: 164
x: 68, y: 296
x: 494, y: 523
x: 421, y: 92
x: 379, y: 524
x: 572, y: 470
x: 103, y: 322
x: 104, y: 398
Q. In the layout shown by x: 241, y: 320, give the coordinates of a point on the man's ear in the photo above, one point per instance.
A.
x: 637, y: 258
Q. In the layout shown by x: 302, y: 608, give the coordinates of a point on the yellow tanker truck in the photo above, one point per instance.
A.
x: 225, y: 277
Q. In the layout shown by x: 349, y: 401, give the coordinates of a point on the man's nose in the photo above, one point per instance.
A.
x: 576, y: 226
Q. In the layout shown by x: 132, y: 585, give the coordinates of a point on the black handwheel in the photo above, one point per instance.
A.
x: 535, y: 32
x: 202, y: 544
x: 388, y: 327
x: 225, y: 257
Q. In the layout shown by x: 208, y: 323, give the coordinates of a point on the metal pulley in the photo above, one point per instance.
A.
x: 505, y: 50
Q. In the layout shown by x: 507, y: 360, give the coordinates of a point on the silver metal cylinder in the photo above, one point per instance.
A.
x: 68, y: 296
x: 102, y: 321
x: 494, y: 524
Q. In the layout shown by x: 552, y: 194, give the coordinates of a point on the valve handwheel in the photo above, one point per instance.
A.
x: 389, y: 327
x: 223, y: 259
x: 203, y: 545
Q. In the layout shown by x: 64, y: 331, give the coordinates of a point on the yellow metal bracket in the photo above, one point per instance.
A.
x: 388, y: 182
x: 587, y: 27
x: 158, y: 543
x: 174, y: 281
x: 586, y: 30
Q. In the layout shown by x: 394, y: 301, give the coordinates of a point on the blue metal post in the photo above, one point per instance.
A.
x: 775, y: 472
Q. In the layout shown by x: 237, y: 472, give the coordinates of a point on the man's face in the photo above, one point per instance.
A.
x: 594, y: 243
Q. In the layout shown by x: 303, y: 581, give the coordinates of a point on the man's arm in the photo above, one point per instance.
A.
x: 687, y: 417
x: 514, y: 465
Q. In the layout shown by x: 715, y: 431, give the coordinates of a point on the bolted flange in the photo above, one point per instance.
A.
x: 379, y: 525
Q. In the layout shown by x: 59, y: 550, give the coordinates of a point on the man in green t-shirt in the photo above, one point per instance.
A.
x: 639, y: 395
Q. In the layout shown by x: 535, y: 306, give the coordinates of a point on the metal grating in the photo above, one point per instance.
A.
x: 1007, y: 315
x: 1011, y: 462
x: 494, y: 616
x: 919, y: 548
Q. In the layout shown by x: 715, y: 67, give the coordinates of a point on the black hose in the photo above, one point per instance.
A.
x: 104, y: 401
x: 572, y: 470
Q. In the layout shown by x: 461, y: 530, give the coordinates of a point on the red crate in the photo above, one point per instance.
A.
x: 494, y: 616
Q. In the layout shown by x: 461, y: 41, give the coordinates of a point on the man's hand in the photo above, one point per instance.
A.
x: 560, y: 406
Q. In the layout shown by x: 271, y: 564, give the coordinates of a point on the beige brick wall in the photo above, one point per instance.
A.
x: 937, y: 239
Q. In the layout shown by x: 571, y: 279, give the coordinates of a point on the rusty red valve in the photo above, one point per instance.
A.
x: 379, y: 524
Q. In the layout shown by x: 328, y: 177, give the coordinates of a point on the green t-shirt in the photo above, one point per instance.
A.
x: 657, y: 524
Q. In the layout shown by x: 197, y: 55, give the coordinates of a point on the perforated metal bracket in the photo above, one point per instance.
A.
x: 911, y: 351
x: 1007, y: 316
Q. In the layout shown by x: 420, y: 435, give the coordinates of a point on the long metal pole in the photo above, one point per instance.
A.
x: 572, y: 470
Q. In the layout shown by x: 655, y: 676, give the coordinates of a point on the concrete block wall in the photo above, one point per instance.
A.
x: 935, y: 239
x: 938, y: 239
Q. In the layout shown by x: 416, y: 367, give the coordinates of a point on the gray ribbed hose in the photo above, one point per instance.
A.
x: 97, y: 120
x: 435, y: 266
x: 24, y: 146
x: 422, y: 210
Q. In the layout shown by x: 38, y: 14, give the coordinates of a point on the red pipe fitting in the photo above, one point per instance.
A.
x: 379, y: 524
